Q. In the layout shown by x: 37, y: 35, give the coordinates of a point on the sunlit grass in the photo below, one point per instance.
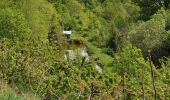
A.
x: 103, y: 58
x: 7, y: 93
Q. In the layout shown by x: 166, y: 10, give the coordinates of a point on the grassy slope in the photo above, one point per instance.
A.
x: 8, y: 93
x: 103, y: 58
x: 96, y: 51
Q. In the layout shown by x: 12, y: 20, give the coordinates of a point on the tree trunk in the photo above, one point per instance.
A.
x: 152, y: 74
x: 165, y: 94
x: 92, y: 90
x: 143, y: 90
x: 124, y: 90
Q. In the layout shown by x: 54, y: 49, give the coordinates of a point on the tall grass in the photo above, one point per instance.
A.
x: 8, y: 94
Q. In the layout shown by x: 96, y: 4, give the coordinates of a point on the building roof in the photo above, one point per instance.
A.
x: 67, y: 32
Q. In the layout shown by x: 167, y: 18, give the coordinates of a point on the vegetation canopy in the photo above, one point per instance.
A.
x: 117, y: 50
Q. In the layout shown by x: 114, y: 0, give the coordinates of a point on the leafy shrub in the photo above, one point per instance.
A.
x: 150, y: 34
x: 79, y: 41
x: 129, y: 64
x: 108, y: 51
x: 12, y: 24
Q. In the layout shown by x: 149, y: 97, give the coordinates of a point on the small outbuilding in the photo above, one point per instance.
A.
x: 67, y: 34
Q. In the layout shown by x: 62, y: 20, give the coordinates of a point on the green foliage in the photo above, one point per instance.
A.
x: 129, y: 60
x: 129, y: 64
x: 32, y: 48
x: 38, y: 15
x: 6, y: 4
x: 148, y: 8
x: 167, y: 20
x: 99, y: 54
x: 71, y: 81
x: 55, y: 36
x: 12, y: 93
x: 167, y: 40
x: 13, y: 25
x: 9, y: 95
x: 164, y: 77
x: 150, y: 34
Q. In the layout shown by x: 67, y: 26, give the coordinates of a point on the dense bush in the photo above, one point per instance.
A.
x: 150, y: 34
x: 13, y: 25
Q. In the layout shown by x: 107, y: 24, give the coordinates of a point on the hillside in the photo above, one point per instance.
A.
x: 84, y: 49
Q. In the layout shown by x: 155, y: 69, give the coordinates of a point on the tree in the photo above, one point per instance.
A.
x: 13, y: 25
x: 38, y: 14
x: 149, y: 35
x: 130, y: 64
x: 149, y: 7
